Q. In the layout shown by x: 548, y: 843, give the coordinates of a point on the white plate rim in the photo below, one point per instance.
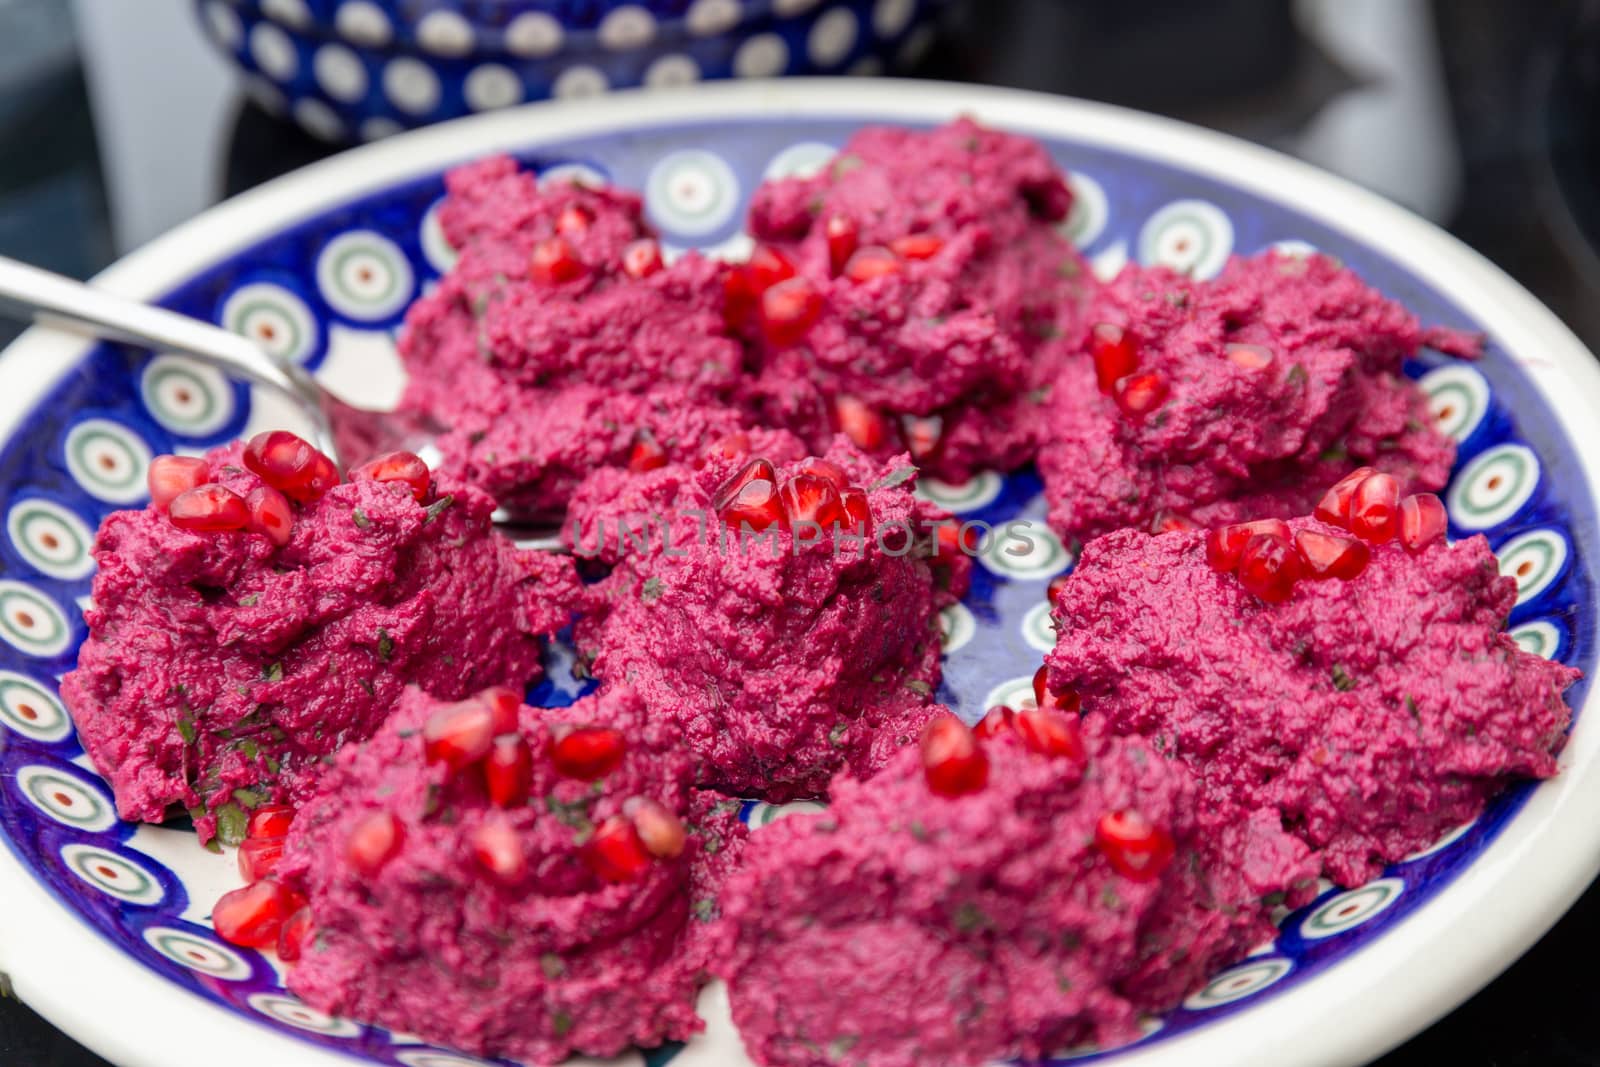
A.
x: 1354, y: 1011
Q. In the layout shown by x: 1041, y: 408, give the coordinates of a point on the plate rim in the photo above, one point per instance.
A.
x: 1397, y: 984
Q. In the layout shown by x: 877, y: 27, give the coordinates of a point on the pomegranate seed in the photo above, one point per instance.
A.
x: 922, y: 436
x: 497, y: 850
x: 405, y: 467
x: 829, y: 471
x: 857, y: 510
x: 766, y: 267
x: 209, y: 508
x: 1050, y: 733
x: 1135, y: 847
x: 646, y: 454
x: 290, y: 464
x: 1115, y: 353
x: 589, y: 752
x: 1225, y: 544
x: 616, y: 853
x: 952, y: 760
x: 270, y: 514
x: 734, y: 446
x: 1249, y: 357
x: 842, y: 241
x: 642, y: 258
x: 273, y: 820
x: 252, y: 917
x: 1172, y: 522
x: 1422, y: 521
x: 171, y: 476
x: 295, y: 935
x: 810, y: 498
x: 1140, y: 394
x: 1064, y: 701
x: 555, y: 262
x: 750, y: 497
x: 505, y: 709
x: 259, y: 856
x: 1268, y: 567
x: 1334, y: 508
x: 373, y: 842
x: 574, y: 220
x: 459, y: 735
x: 867, y: 429
x: 508, y: 771
x: 873, y: 261
x: 996, y: 721
x: 1375, y: 508
x: 1330, y: 556
x: 787, y: 311
x: 660, y: 831
x: 916, y: 246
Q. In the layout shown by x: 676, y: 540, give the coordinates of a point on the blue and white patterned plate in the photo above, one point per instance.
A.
x: 103, y: 925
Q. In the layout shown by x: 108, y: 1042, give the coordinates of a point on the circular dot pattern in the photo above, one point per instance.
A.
x: 274, y: 318
x: 108, y: 460
x: 188, y: 398
x: 65, y: 799
x: 1239, y: 982
x: 1190, y: 236
x: 1534, y: 560
x: 53, y: 539
x: 114, y: 874
x: 692, y: 192
x: 27, y: 708
x: 364, y: 276
x: 1493, y: 486
x: 201, y: 954
x: 1348, y: 910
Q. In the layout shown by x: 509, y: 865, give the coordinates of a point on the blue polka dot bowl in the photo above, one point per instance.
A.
x: 349, y: 70
x: 105, y: 926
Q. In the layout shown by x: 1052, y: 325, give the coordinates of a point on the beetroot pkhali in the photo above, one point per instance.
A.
x: 907, y: 295
x: 1371, y: 709
x: 560, y: 342
x: 1051, y: 903
x: 1236, y: 398
x: 783, y: 652
x: 533, y: 912
x: 227, y: 655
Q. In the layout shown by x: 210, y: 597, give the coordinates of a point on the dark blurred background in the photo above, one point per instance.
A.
x: 118, y: 121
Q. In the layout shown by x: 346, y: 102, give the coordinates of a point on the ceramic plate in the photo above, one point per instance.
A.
x: 103, y: 925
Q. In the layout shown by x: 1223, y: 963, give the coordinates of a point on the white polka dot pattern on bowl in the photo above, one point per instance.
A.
x: 223, y: 22
x: 108, y: 461
x: 340, y: 73
x: 1534, y: 560
x: 1016, y: 694
x: 273, y: 51
x: 1541, y: 637
x: 672, y: 71
x: 32, y: 711
x: 764, y: 814
x: 114, y: 874
x: 188, y: 398
x: 956, y: 627
x: 579, y: 82
x: 802, y: 160
x: 31, y: 622
x: 492, y: 86
x: 1023, y: 549
x: 365, y: 276
x: 1348, y: 910
x: 1458, y: 399
x: 1493, y: 486
x: 626, y: 28
x: 1038, y: 629
x: 411, y: 85
x: 1190, y: 236
x: 762, y: 56
x: 533, y: 35
x: 1089, y: 213
x: 291, y: 1010
x: 289, y: 12
x: 363, y: 23
x: 708, y: 18
x: 65, y: 799
x: 319, y: 120
x: 691, y: 192
x: 1239, y: 982
x: 445, y: 33
x: 975, y: 493
x: 53, y: 539
x: 891, y: 17
x: 208, y: 957
x: 435, y: 246
x: 832, y: 37
x: 272, y: 317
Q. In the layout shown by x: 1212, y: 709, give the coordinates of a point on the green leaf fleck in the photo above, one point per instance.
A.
x: 186, y: 729
x: 1342, y: 680
x: 385, y: 645
x: 435, y: 508
x: 898, y: 476
x: 249, y: 601
x: 360, y: 517
x: 651, y: 590
x: 552, y: 965
x: 231, y: 823
x: 560, y: 1023
x: 272, y: 672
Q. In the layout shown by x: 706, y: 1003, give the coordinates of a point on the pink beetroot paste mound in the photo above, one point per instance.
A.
x: 560, y: 342
x: 221, y: 667
x: 1236, y: 398
x: 1055, y: 902
x: 557, y: 909
x: 782, y: 653
x: 1371, y: 713
x: 908, y: 293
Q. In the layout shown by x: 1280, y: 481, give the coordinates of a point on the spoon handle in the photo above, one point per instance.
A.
x: 54, y: 300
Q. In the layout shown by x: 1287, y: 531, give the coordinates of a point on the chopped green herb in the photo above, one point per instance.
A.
x: 214, y: 847
x: 360, y: 518
x: 968, y: 918
x: 249, y: 601
x: 231, y: 823
x: 560, y: 1023
x: 836, y: 735
x: 898, y: 476
x: 1411, y: 706
x: 1296, y: 376
x: 552, y: 965
x: 250, y: 749
x: 366, y: 683
x: 1342, y: 680
x: 385, y: 645
x: 272, y: 672
x: 651, y: 590
x: 705, y: 909
x: 918, y: 830
x: 186, y: 729
x: 435, y: 508
x: 917, y: 685
x: 249, y: 798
